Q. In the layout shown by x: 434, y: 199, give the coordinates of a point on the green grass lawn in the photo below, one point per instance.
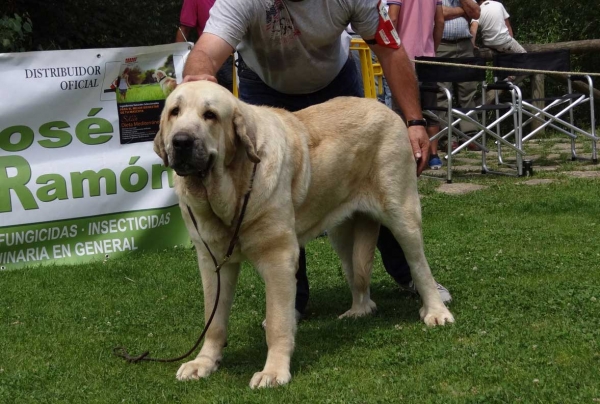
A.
x: 522, y: 263
x: 144, y: 92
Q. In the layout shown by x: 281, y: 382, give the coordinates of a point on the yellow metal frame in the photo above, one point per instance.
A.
x: 234, y: 81
x: 378, y: 73
x: 370, y: 70
x: 366, y: 65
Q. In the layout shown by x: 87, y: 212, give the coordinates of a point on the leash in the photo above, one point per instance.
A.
x: 182, y: 34
x: 122, y: 351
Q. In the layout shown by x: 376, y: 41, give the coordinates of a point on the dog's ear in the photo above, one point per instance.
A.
x: 230, y: 145
x: 245, y: 131
x: 159, y: 148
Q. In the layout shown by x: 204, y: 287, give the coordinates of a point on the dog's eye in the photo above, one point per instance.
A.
x: 209, y: 115
x: 175, y: 111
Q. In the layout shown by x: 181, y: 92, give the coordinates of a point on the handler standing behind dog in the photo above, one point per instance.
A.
x: 292, y: 57
x: 194, y: 14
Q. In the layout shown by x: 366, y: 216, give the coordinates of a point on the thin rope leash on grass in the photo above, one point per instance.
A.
x: 122, y: 352
x: 508, y: 69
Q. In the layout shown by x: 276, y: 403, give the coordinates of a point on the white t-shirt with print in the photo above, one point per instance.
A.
x: 294, y: 47
x: 491, y: 21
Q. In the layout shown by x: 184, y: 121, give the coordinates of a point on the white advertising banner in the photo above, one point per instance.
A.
x: 78, y: 177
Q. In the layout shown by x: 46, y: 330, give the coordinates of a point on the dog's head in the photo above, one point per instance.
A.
x: 159, y: 74
x: 201, y: 126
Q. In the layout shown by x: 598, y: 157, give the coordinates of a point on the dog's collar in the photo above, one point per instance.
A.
x: 162, y: 78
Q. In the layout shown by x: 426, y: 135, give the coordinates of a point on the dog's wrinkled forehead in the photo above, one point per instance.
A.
x: 203, y: 95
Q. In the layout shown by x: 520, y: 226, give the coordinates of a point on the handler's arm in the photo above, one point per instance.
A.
x: 206, y: 57
x: 400, y: 75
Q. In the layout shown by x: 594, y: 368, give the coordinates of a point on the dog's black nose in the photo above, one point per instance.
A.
x: 182, y: 141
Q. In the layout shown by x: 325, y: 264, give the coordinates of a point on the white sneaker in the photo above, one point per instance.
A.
x: 444, y: 293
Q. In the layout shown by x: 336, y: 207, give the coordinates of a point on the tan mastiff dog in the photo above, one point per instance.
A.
x: 343, y: 166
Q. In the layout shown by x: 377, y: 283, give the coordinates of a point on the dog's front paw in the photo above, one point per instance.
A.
x: 198, y: 368
x: 270, y: 379
x: 361, y: 310
x: 436, y: 316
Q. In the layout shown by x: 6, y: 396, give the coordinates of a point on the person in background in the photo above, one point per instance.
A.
x: 292, y: 55
x: 496, y: 31
x: 194, y: 14
x: 456, y: 43
x: 123, y: 81
x: 420, y: 25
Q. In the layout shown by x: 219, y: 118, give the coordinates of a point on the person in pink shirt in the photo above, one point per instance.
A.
x: 194, y: 14
x: 420, y: 26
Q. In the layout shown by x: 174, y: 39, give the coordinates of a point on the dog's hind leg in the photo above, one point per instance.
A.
x: 403, y: 218
x: 355, y: 241
x: 209, y: 357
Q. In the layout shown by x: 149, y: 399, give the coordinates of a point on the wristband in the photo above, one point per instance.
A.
x: 416, y: 122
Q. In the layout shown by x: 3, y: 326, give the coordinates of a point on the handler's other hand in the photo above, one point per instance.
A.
x: 420, y: 145
x: 198, y: 77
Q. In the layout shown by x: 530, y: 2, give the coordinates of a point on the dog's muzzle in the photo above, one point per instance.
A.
x: 189, y: 156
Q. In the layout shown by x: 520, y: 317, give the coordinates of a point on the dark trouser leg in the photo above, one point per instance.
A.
x: 225, y: 74
x: 302, y: 290
x: 393, y: 257
x: 254, y: 91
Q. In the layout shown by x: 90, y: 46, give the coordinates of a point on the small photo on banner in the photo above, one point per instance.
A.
x: 142, y: 84
x: 109, y: 86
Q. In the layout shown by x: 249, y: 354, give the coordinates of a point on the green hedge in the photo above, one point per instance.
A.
x: 550, y: 21
x: 80, y: 24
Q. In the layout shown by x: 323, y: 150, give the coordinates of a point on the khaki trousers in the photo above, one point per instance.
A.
x: 464, y: 93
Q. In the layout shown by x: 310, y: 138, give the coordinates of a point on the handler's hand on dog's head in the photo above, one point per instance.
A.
x: 198, y: 77
x: 419, y: 141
